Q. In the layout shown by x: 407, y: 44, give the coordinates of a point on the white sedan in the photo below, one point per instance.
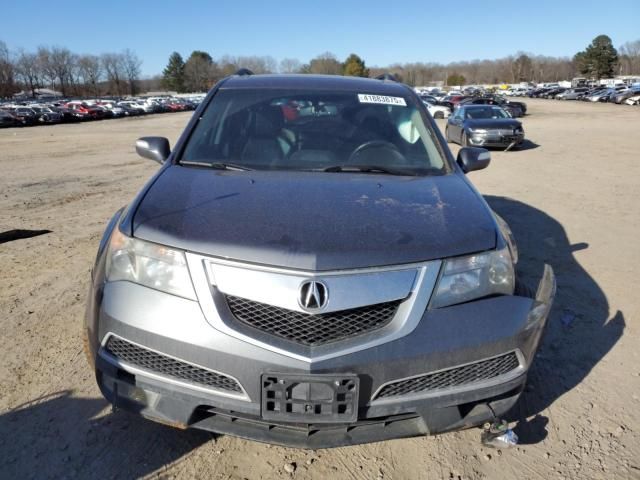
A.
x: 438, y: 111
x: 635, y: 100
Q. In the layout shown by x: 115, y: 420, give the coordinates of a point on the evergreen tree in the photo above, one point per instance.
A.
x: 354, y: 66
x: 599, y: 59
x: 173, y: 74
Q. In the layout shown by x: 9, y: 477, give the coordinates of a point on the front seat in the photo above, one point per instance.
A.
x: 264, y: 145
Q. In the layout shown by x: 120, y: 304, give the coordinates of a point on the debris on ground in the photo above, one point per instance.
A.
x: 497, y: 434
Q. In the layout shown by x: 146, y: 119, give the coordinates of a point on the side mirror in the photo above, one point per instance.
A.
x: 153, y: 148
x: 473, y: 158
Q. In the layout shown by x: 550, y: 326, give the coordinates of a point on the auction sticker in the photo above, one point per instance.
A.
x: 381, y: 99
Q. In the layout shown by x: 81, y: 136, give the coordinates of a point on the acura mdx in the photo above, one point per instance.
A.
x: 310, y: 266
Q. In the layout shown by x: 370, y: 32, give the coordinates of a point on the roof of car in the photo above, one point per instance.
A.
x: 316, y: 82
x: 477, y: 105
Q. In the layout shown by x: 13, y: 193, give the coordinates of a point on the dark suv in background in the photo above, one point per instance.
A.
x: 310, y: 266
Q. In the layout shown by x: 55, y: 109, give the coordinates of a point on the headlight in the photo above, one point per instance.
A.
x: 467, y: 278
x: 148, y: 264
x: 477, y: 130
x: 508, y: 237
x: 519, y: 130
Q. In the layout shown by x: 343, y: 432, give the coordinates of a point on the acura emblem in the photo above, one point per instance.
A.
x: 313, y: 295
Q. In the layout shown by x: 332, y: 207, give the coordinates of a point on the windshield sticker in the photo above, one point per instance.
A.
x: 381, y: 99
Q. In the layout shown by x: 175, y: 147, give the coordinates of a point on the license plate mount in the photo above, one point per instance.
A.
x: 315, y: 398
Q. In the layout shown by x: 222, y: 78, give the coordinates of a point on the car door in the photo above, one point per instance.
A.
x: 455, y: 125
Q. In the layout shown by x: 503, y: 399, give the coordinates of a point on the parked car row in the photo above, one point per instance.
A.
x: 438, y: 101
x: 620, y: 94
x: 66, y: 111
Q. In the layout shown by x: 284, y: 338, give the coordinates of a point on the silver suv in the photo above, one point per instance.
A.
x: 311, y: 267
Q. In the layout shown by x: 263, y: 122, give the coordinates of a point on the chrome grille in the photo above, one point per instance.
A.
x: 502, y: 131
x: 506, y: 132
x: 308, y: 329
x: 158, y: 363
x: 452, y: 377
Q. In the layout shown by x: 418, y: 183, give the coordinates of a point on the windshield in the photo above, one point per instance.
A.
x: 270, y: 129
x: 485, y: 112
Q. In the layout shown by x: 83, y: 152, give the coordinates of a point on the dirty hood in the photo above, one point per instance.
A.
x: 314, y: 221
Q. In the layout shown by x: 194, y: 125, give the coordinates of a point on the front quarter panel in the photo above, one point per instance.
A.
x: 96, y: 286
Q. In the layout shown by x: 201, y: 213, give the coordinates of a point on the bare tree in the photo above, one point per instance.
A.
x: 91, y: 71
x: 113, y: 67
x: 290, y: 65
x: 46, y: 72
x: 7, y: 71
x: 150, y: 84
x: 75, y: 76
x: 326, y: 63
x: 131, y: 65
x: 630, y: 58
x: 257, y: 64
x: 62, y: 63
x: 27, y: 68
x: 228, y: 64
x: 199, y: 72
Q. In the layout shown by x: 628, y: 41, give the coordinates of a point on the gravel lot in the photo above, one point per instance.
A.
x: 571, y: 197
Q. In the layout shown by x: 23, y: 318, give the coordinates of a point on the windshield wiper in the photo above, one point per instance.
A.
x: 368, y: 169
x: 216, y: 165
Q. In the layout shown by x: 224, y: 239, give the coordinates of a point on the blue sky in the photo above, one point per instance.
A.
x: 382, y: 32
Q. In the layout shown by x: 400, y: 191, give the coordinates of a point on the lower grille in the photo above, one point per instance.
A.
x: 452, y: 377
x: 311, y: 330
x: 162, y: 364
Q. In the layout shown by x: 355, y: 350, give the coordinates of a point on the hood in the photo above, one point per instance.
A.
x: 488, y: 123
x: 314, y: 221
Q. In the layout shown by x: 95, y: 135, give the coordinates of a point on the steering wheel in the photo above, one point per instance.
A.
x: 377, y: 144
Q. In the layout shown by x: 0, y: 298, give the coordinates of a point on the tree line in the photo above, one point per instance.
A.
x: 200, y: 71
x: 599, y: 60
x: 60, y: 69
x: 119, y: 73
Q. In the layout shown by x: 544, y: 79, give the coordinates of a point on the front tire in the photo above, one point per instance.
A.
x: 446, y: 134
x: 464, y: 141
x: 438, y: 115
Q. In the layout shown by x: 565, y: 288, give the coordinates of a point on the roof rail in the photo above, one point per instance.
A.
x: 387, y: 76
x: 243, y: 71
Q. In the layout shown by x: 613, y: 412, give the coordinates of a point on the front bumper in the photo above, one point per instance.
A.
x: 51, y: 119
x: 444, y: 338
x: 494, y: 139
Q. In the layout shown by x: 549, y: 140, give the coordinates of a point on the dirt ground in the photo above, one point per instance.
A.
x: 571, y: 197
